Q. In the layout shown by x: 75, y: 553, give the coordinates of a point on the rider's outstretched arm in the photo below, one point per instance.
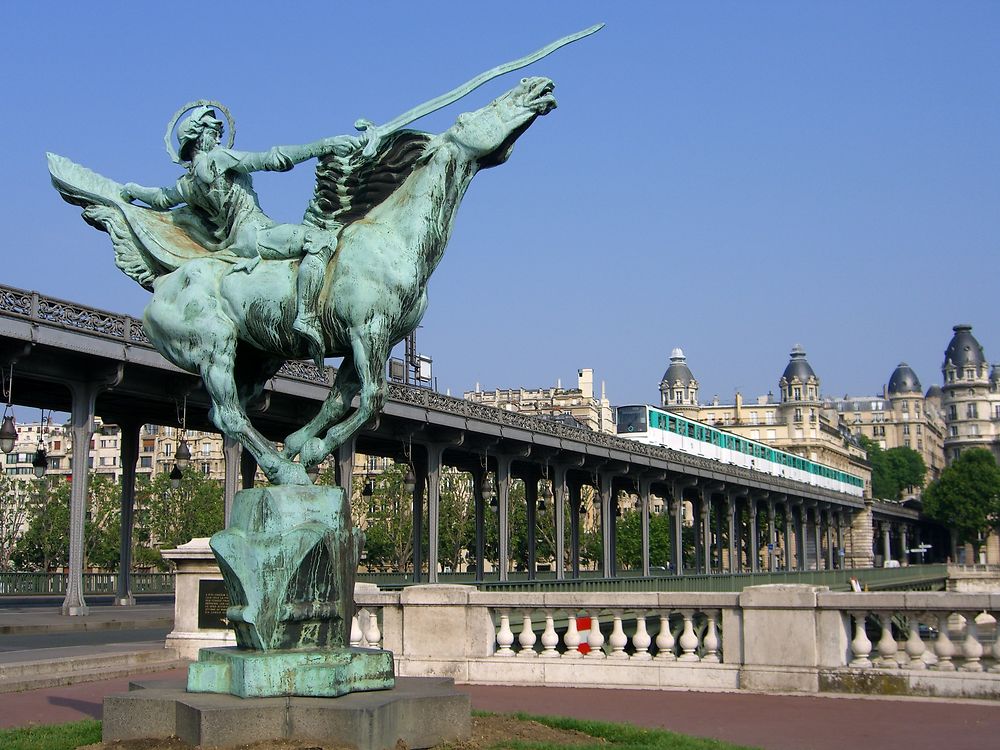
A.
x: 161, y: 198
x: 283, y: 158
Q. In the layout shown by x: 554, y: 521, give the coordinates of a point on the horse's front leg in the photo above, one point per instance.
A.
x: 370, y: 350
x: 345, y: 387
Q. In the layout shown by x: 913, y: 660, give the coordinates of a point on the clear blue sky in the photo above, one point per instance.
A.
x: 732, y: 178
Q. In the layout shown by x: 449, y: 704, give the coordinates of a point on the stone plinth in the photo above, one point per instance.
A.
x: 194, y: 563
x: 420, y: 712
x: 318, y: 673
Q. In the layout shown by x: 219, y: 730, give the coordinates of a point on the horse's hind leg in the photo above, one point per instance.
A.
x: 228, y: 414
x: 345, y: 387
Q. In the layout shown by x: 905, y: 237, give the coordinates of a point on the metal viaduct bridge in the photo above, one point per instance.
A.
x: 89, y: 362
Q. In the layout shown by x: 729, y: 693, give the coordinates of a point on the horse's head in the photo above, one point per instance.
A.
x: 488, y: 134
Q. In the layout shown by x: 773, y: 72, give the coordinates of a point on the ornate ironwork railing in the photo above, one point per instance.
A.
x: 35, y: 307
x: 41, y: 584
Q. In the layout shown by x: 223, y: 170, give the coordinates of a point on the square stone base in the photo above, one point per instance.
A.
x: 419, y: 711
x: 318, y: 673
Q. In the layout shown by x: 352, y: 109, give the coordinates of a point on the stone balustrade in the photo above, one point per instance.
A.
x: 784, y: 637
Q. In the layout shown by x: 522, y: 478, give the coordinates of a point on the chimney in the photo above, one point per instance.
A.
x: 585, y: 382
x: 738, y: 414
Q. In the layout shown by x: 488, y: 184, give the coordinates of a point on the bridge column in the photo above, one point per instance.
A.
x: 839, y: 520
x: 231, y: 450
x: 420, y: 474
x: 904, y: 551
x: 503, y: 511
x: 733, y: 548
x: 559, y: 499
x: 886, y: 542
x: 718, y: 553
x: 645, y: 485
x: 772, y: 536
x: 129, y: 456
x: 818, y: 534
x: 248, y: 470
x: 574, y: 488
x: 706, y: 530
x: 530, y: 478
x: 801, y: 536
x: 829, y: 538
x: 789, y: 523
x: 434, y: 454
x: 479, y: 513
x: 753, y: 546
x: 605, y: 482
x: 83, y: 395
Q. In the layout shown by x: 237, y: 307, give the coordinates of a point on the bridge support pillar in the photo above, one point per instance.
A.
x: 530, y: 479
x: 886, y: 541
x: 753, y: 548
x: 706, y: 531
x: 576, y: 511
x: 904, y: 556
x: 129, y: 455
x: 802, y: 537
x: 789, y: 522
x: 231, y: 453
x: 818, y: 534
x: 733, y: 547
x: 479, y: 511
x: 559, y: 499
x: 644, y: 491
x: 607, y: 525
x: 503, y: 511
x: 772, y: 536
x: 434, y: 455
x: 829, y: 538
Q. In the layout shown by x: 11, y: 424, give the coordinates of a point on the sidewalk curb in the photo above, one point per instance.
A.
x: 69, y: 627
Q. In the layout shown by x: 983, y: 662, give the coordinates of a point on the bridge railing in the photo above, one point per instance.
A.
x: 791, y: 638
x: 40, y: 584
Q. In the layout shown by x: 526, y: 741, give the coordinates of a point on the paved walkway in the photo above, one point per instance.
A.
x: 49, y: 619
x: 775, y: 722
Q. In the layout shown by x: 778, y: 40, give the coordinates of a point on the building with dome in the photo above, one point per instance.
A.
x: 903, y: 416
x: 970, y: 396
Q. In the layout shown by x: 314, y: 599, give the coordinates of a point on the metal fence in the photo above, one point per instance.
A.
x: 41, y: 584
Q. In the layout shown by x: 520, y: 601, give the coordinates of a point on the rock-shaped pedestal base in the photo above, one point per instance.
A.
x: 318, y: 673
x: 419, y: 712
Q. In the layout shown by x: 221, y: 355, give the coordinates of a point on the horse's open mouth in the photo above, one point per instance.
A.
x: 538, y: 96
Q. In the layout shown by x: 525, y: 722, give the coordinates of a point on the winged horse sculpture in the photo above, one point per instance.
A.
x: 232, y: 299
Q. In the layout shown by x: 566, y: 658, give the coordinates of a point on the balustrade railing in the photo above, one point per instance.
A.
x: 53, y: 584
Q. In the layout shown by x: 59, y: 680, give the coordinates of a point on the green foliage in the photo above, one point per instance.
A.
x: 966, y: 497
x: 13, y: 515
x: 387, y: 519
x: 45, y: 545
x: 52, y: 737
x: 893, y: 470
x: 629, y: 540
x: 166, y: 517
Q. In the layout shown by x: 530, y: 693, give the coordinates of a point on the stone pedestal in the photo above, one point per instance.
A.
x: 196, y: 569
x: 326, y: 673
x: 420, y: 712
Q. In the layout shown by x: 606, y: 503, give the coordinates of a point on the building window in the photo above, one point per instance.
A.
x: 206, y: 449
x: 769, y: 417
x: 953, y: 431
x: 753, y: 417
x: 797, y: 393
x: 55, y: 463
x: 998, y: 411
x: 971, y: 411
x: 145, y: 462
x: 905, y: 406
x: 206, y: 468
x: 798, y: 415
x: 168, y: 449
x: 906, y: 429
x: 953, y: 412
x: 973, y: 429
x: 772, y: 435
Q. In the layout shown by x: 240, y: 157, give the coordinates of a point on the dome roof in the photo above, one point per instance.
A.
x: 678, y: 371
x: 934, y: 392
x: 964, y: 350
x: 798, y: 367
x: 904, y: 380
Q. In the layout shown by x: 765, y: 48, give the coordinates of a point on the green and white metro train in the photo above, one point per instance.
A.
x: 647, y: 424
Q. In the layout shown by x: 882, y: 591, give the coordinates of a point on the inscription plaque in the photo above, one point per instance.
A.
x: 213, y: 601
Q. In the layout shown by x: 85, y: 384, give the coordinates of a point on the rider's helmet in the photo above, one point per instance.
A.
x: 191, y: 128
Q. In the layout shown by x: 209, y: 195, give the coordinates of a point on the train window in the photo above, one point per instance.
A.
x: 631, y: 419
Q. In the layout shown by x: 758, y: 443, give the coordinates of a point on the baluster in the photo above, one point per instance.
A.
x: 355, y: 631
x: 372, y: 633
x: 572, y: 638
x: 944, y: 649
x: 617, y: 640
x: 972, y: 649
x: 550, y: 639
x: 996, y: 643
x: 595, y: 639
x: 641, y: 639
x: 665, y: 639
x: 887, y: 646
x: 688, y: 640
x: 527, y: 637
x: 505, y: 636
x: 711, y: 639
x: 861, y: 646
x: 914, y: 645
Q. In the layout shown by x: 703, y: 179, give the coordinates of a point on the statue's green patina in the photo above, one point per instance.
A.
x: 236, y: 293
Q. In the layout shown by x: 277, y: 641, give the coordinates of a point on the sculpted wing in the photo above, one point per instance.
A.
x: 347, y: 188
x: 148, y: 243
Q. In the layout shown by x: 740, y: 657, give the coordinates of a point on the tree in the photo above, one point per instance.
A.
x: 457, y: 527
x: 893, y: 470
x: 629, y: 540
x: 13, y: 516
x: 45, y: 545
x: 168, y: 517
x: 102, y: 530
x: 386, y: 517
x: 966, y: 497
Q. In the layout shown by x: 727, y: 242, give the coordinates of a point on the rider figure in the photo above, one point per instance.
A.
x: 219, y: 189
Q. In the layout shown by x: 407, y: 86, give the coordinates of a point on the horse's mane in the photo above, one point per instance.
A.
x: 347, y: 188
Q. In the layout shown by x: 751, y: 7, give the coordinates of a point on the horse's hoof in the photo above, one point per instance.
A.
x: 313, y: 452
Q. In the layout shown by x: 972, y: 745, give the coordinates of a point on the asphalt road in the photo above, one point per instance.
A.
x: 22, y: 602
x: 32, y: 641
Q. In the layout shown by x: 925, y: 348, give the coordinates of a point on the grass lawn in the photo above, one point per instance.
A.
x: 622, y: 736
x: 52, y: 736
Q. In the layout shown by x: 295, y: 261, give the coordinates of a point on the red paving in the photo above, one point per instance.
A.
x: 775, y: 722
